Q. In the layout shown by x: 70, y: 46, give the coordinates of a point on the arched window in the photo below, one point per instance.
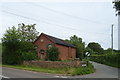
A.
x: 49, y: 46
x: 36, y: 46
x: 42, y: 51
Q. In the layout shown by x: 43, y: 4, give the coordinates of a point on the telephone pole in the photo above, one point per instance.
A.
x: 118, y: 30
x: 112, y: 38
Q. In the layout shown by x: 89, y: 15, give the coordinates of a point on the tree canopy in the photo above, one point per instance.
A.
x: 18, y: 43
x: 28, y: 32
x: 116, y: 5
x: 80, y: 45
x: 96, y: 47
x: 53, y: 53
x: 11, y: 45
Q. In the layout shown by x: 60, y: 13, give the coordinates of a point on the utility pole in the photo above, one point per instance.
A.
x: 118, y: 30
x: 112, y: 37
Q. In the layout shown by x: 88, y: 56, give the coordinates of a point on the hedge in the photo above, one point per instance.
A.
x: 110, y: 59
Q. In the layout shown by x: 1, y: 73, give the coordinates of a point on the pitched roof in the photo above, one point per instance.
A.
x: 58, y: 41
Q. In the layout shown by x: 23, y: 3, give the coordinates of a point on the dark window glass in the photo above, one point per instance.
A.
x: 42, y: 51
x: 49, y: 46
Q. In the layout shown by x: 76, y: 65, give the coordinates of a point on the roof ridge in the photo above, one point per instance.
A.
x: 48, y: 36
x: 58, y: 40
x: 54, y: 37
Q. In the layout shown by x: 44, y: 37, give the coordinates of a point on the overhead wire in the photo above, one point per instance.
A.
x: 66, y: 14
x: 41, y: 17
x: 62, y: 26
x: 37, y: 20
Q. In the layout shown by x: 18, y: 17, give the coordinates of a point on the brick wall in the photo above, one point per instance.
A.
x: 42, y: 45
x: 66, y: 53
x: 63, y: 52
x: 54, y: 64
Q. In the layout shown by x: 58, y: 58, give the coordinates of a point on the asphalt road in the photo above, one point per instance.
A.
x: 15, y: 73
x: 102, y: 71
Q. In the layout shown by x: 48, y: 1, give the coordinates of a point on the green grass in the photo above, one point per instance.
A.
x: 84, y: 70
x: 68, y: 71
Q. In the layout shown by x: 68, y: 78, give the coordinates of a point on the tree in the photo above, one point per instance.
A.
x: 28, y: 51
x: 117, y: 5
x: 109, y: 50
x: 28, y: 35
x: 28, y: 32
x: 87, y: 49
x: 96, y: 47
x: 18, y: 44
x: 11, y: 42
x: 53, y: 53
x: 80, y: 46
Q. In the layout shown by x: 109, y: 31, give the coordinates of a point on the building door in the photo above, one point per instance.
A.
x: 42, y: 53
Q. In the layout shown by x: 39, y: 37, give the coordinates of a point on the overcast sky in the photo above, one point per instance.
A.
x: 89, y: 20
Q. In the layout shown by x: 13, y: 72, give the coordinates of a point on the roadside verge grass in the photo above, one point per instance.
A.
x: 65, y: 71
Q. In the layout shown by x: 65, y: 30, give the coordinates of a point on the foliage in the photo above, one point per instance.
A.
x: 96, y: 47
x: 28, y: 35
x: 117, y: 5
x: 80, y: 46
x: 87, y: 49
x: 109, y: 50
x: 28, y: 47
x: 84, y: 70
x: 111, y: 59
x: 11, y: 43
x: 53, y: 53
x: 27, y: 56
x: 28, y: 32
x: 18, y: 44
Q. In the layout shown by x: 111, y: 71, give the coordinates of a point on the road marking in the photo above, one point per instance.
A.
x: 60, y: 76
x: 31, y: 71
x: 63, y: 77
x: 3, y: 76
x: 57, y: 76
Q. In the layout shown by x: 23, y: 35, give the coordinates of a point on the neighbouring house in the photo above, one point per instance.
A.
x: 44, y: 41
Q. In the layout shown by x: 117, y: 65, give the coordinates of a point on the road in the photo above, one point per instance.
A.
x: 102, y: 71
x: 15, y: 73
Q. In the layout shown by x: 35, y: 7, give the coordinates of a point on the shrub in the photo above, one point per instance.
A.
x: 9, y: 57
x: 53, y: 54
x: 11, y: 41
x: 110, y: 59
x: 27, y: 56
x: 84, y: 70
x: 28, y: 51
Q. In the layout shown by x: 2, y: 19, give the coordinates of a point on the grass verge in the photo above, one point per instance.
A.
x: 68, y: 71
